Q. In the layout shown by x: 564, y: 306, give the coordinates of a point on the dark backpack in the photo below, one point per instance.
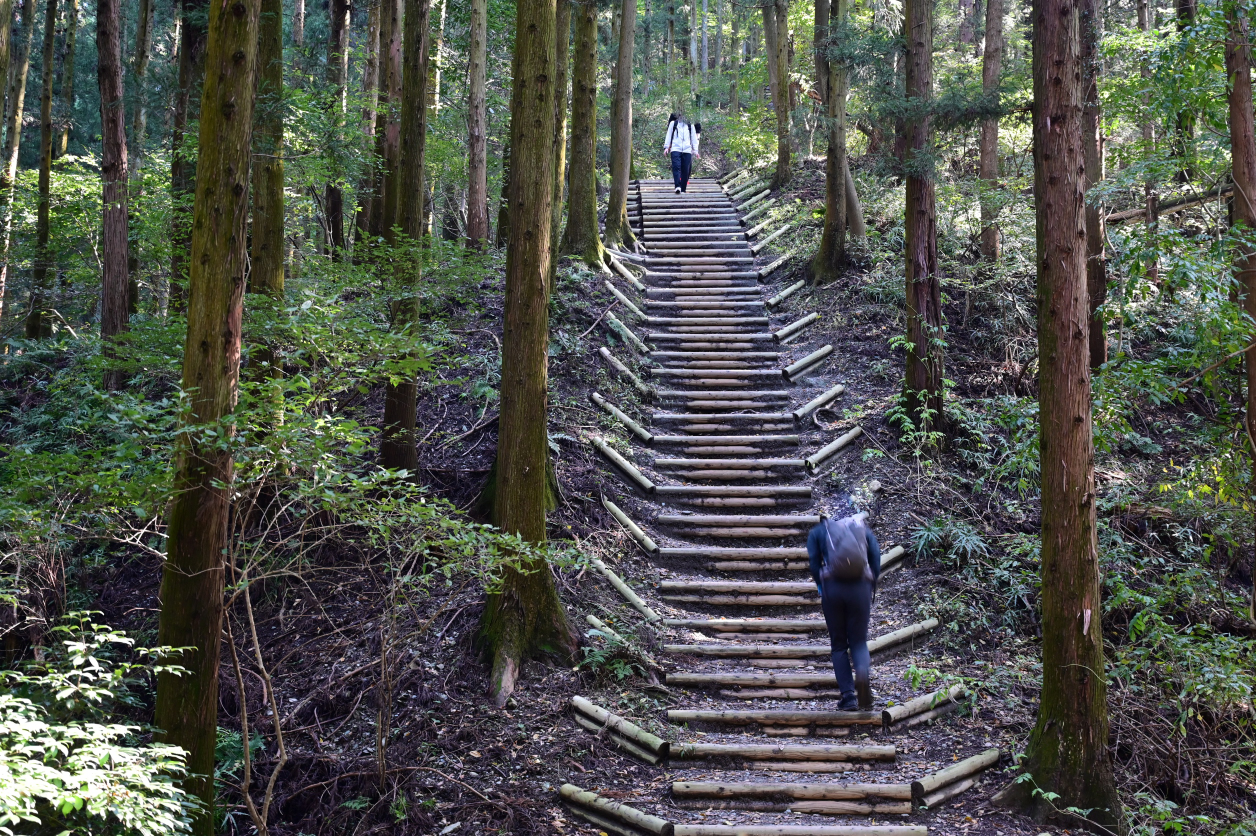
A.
x: 846, y: 552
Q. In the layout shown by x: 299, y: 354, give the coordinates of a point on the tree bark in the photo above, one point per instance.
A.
x: 6, y: 47
x: 988, y: 148
x: 526, y: 614
x: 924, y: 292
x: 706, y: 62
x: 38, y: 325
x: 1092, y: 150
x: 187, y: 106
x: 61, y: 143
x: 671, y: 43
x: 139, y: 134
x: 370, y: 112
x: 734, y: 64
x: 298, y: 23
x: 1184, y: 127
x: 113, y: 176
x: 780, y: 96
x: 337, y: 78
x: 719, y: 37
x: 828, y: 260
x: 477, y: 127
x: 18, y: 70
x: 397, y: 447
x: 562, y: 55
x: 387, y: 128
x: 769, y: 43
x: 618, y: 230
x: 1149, y: 141
x: 693, y: 47
x: 266, y: 251
x: 967, y: 34
x: 193, y: 578
x: 1238, y: 67
x: 581, y: 235
x: 1067, y: 753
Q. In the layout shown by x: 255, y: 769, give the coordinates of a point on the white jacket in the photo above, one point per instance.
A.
x: 681, y: 137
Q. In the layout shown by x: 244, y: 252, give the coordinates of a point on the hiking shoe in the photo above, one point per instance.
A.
x: 848, y: 703
x: 864, y: 688
x: 678, y: 190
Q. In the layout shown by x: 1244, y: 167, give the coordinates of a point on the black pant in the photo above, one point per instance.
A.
x: 847, y: 606
x: 681, y: 164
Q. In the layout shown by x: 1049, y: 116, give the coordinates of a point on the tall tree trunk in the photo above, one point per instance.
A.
x: 769, y: 43
x: 924, y: 291
x: 61, y: 143
x: 832, y: 253
x: 581, y: 235
x: 298, y: 24
x: 114, y: 243
x: 139, y: 134
x: 1092, y: 151
x: 562, y: 55
x: 719, y: 37
x: 477, y: 126
x: 647, y: 44
x: 1238, y: 68
x: 387, y: 128
x: 819, y: 45
x: 1067, y: 752
x: 370, y: 111
x: 192, y: 583
x: 502, y: 235
x: 434, y: 44
x: 526, y: 614
x: 16, y: 99
x: 6, y: 48
x: 693, y: 47
x: 988, y: 147
x: 780, y: 95
x: 266, y: 250
x: 337, y: 79
x: 1150, y: 199
x: 671, y: 43
x: 706, y: 61
x: 1184, y: 125
x: 967, y: 34
x: 734, y: 63
x: 617, y: 229
x: 183, y: 160
x: 397, y: 447
x: 38, y: 325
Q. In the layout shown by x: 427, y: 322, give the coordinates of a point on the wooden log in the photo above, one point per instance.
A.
x: 762, y: 440
x: 799, y: 830
x: 748, y: 625
x: 786, y: 293
x: 758, y: 248
x: 751, y: 233
x: 755, y: 417
x: 964, y: 769
x: 892, y: 559
x: 766, y: 206
x: 940, y: 797
x: 601, y: 626
x: 624, y: 590
x: 740, y: 679
x: 761, y: 651
x: 745, y: 600
x: 767, y: 271
x: 929, y: 716
x: 778, y: 717
x: 820, y: 808
x: 745, y: 587
x: 615, y: 811
x: 622, y: 742
x: 794, y: 327
x: 806, y: 364
x: 818, y: 458
x: 626, y: 373
x: 810, y: 792
x: 901, y: 635
x: 729, y: 464
x: 803, y: 766
x: 927, y: 702
x: 751, y: 201
x: 625, y: 301
x: 758, y: 566
x: 626, y: 333
x: 790, y: 491
x: 637, y: 534
x: 604, y: 822
x: 791, y: 751
x: 710, y: 320
x: 736, y: 520
x: 623, y: 417
x: 780, y: 694
x: 637, y: 477
x: 618, y: 267
x: 652, y: 743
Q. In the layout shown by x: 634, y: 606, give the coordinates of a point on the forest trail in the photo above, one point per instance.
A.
x: 753, y: 729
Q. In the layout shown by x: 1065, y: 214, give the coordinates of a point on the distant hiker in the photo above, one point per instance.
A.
x: 845, y: 563
x: 681, y: 144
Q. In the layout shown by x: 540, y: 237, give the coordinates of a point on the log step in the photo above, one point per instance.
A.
x: 728, y: 464
x: 749, y: 625
x: 732, y: 520
x: 762, y: 440
x: 776, y: 717
x: 740, y: 587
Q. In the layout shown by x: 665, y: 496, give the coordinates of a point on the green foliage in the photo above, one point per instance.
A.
x: 66, y: 764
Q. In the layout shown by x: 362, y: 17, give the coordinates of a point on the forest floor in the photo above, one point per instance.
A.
x: 456, y: 764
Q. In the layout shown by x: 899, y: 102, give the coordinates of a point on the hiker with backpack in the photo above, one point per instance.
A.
x: 845, y: 562
x: 681, y: 146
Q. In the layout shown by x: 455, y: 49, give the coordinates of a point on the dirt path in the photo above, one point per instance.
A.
x: 757, y: 746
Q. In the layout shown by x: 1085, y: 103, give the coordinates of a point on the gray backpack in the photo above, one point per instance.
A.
x: 846, y: 552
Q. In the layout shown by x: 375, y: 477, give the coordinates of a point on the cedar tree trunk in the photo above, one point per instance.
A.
x: 139, y: 133
x: 1067, y: 753
x: 192, y: 583
x: 266, y: 251
x: 581, y: 236
x: 113, y: 244
x: 562, y: 54
x: 370, y: 111
x: 924, y: 292
x: 832, y: 252
x: 1092, y: 150
x: 337, y: 78
x: 780, y: 95
x: 18, y: 70
x: 67, y: 80
x: 734, y: 63
x: 617, y: 229
x: 988, y: 147
x: 187, y: 106
x: 477, y: 127
x: 526, y: 615
x: 38, y: 324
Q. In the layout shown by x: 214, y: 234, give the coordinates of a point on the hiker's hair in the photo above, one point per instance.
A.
x: 671, y: 118
x: 697, y: 126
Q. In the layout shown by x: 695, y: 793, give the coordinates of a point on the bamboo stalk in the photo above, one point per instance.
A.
x: 633, y: 529
x: 624, y: 590
x: 636, y: 429
x: 616, y: 811
x: 626, y: 467
x: 814, y: 461
x: 964, y: 769
x: 794, y: 327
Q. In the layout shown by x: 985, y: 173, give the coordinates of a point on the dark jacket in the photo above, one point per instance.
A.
x: 817, y: 545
